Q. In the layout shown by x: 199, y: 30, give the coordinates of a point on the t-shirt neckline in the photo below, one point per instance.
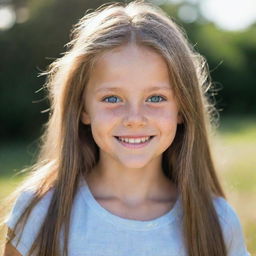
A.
x: 165, y: 219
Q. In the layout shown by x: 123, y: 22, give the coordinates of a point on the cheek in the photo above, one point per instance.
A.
x: 167, y: 120
x: 168, y: 123
x: 105, y: 117
x: 166, y: 114
x: 99, y: 112
x: 102, y: 123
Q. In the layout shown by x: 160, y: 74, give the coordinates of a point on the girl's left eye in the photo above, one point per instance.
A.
x: 157, y: 97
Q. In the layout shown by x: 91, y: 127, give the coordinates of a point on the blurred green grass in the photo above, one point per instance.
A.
x: 234, y: 150
x: 14, y: 157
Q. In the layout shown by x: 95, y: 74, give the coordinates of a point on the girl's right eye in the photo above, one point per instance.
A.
x: 110, y: 99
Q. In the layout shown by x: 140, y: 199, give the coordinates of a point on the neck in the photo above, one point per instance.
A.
x: 131, y: 186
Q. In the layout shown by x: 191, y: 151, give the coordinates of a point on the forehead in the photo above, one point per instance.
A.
x: 129, y: 64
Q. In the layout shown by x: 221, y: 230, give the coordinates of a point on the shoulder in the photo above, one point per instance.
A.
x: 231, y: 227
x: 224, y: 209
x: 24, y: 238
x: 23, y: 201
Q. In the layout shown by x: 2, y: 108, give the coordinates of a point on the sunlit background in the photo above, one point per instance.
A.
x: 33, y: 33
x: 232, y: 15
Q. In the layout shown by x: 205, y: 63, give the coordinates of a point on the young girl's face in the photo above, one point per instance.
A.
x: 129, y: 95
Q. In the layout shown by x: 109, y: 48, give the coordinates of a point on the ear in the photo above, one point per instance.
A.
x: 85, y: 118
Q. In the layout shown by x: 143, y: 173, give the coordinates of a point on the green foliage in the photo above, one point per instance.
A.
x: 231, y: 57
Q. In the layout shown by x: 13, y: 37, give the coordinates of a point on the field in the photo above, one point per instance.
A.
x: 234, y: 150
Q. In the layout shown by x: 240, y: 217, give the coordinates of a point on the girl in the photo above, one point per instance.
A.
x: 125, y: 166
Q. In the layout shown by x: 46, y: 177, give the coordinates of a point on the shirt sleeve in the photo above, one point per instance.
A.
x: 233, y: 233
x: 237, y: 245
x: 33, y: 223
x: 19, y: 206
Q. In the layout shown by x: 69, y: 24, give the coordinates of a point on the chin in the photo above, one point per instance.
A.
x: 134, y: 164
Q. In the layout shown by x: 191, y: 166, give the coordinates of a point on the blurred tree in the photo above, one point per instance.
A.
x: 231, y: 57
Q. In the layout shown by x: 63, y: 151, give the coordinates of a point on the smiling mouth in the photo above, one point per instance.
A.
x: 134, y: 141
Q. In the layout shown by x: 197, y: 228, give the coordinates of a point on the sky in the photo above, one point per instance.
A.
x: 230, y: 14
x: 226, y: 14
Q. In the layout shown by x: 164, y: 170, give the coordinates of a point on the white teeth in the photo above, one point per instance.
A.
x: 140, y: 140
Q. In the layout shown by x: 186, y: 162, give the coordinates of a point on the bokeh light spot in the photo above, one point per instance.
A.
x: 7, y: 17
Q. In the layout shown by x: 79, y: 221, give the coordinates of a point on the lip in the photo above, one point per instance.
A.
x: 135, y: 146
x: 134, y: 136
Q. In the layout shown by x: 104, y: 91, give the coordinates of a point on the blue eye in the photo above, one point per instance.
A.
x: 156, y: 98
x: 113, y: 99
x: 110, y: 99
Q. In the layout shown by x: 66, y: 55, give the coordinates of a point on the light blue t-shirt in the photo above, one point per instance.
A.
x: 94, y: 231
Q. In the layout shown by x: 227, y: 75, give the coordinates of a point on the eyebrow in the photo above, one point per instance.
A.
x: 153, y: 88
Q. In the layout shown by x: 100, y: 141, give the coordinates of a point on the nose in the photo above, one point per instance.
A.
x: 134, y: 117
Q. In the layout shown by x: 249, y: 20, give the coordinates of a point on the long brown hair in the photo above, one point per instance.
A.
x: 68, y: 149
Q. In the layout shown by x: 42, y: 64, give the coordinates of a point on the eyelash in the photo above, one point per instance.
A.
x: 164, y: 98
